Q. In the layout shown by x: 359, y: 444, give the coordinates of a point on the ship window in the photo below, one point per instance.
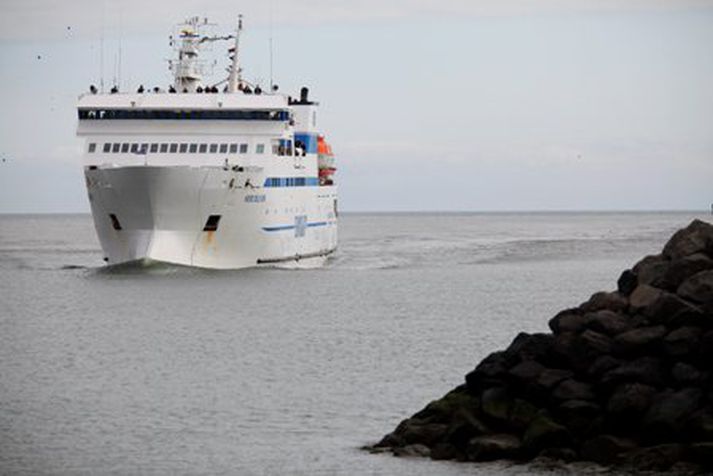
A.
x: 212, y: 223
x: 114, y: 222
x: 183, y: 148
x: 134, y: 148
x: 213, y: 148
x: 92, y: 147
x: 243, y: 148
x: 154, y: 148
x: 164, y: 148
x: 233, y: 148
x: 144, y: 148
x: 115, y: 147
x: 107, y: 147
x: 260, y: 148
x: 193, y: 148
x: 125, y: 147
x: 223, y: 148
x: 203, y: 148
x: 174, y: 148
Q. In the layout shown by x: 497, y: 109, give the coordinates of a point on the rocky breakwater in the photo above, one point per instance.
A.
x: 624, y: 379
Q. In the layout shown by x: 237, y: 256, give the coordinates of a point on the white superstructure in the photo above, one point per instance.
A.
x: 218, y: 175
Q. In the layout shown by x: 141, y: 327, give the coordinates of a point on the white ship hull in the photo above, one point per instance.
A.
x: 162, y: 213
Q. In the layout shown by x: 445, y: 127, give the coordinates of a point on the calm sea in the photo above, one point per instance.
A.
x: 169, y: 370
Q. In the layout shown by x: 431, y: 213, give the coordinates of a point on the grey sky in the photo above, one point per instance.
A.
x: 458, y: 105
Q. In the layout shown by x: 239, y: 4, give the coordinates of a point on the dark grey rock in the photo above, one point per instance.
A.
x: 612, y: 301
x: 426, y: 434
x: 643, y: 296
x: 693, y: 316
x: 683, y: 341
x: 603, y: 364
x: 464, y: 426
x: 682, y: 269
x: 526, y: 372
x: 686, y: 375
x: 639, y: 340
x: 627, y: 282
x: 543, y: 433
x: 444, y: 451
x: 698, y: 288
x: 606, y: 449
x: 654, y: 458
x: 496, y: 403
x: 530, y: 347
x: 646, y: 370
x: 593, y: 344
x: 608, y: 322
x: 522, y: 413
x: 695, y: 238
x: 489, y: 372
x: 559, y: 454
x: 665, y: 418
x: 629, y: 401
x: 702, y: 453
x: 492, y: 447
x: 699, y: 425
x: 549, y: 378
x: 573, y: 390
x: 651, y: 270
x: 417, y: 450
x: 570, y: 320
x: 579, y: 416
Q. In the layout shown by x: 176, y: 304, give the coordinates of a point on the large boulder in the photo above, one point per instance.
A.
x: 651, y: 270
x: 569, y: 320
x: 643, y: 296
x: 629, y: 402
x: 698, y: 288
x: 543, y: 432
x: 606, y: 449
x: 695, y: 238
x: 654, y: 458
x: 683, y: 342
x: 666, y: 417
x: 608, y: 322
x: 613, y: 301
x: 572, y: 389
x: 682, y: 269
x: 492, y: 447
x: 641, y: 340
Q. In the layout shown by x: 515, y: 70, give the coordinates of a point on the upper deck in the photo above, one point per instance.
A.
x: 183, y: 101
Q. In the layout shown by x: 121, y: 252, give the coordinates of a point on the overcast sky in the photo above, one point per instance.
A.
x: 429, y: 104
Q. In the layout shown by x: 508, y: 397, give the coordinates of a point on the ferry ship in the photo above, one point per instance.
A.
x: 224, y: 175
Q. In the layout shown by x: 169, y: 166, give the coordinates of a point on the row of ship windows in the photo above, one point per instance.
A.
x: 147, y: 114
x: 182, y: 148
x: 291, y: 182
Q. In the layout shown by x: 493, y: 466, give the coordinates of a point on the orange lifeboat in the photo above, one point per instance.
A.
x: 325, y: 161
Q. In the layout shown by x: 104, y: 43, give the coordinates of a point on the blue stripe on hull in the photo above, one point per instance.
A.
x: 292, y: 227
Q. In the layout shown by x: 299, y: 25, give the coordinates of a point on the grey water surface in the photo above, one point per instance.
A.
x: 172, y: 370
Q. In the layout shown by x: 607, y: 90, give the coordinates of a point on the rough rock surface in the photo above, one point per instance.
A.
x: 624, y: 379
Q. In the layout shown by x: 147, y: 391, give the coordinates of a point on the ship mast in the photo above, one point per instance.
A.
x: 234, y: 79
x: 188, y: 69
